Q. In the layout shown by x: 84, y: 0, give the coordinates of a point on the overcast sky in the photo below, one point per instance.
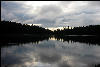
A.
x: 52, y: 13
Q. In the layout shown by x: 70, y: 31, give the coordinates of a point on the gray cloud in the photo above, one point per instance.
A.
x: 65, y: 3
x: 47, y: 15
x: 50, y: 9
x: 94, y: 3
x: 14, y: 11
x: 65, y: 13
x: 63, y: 64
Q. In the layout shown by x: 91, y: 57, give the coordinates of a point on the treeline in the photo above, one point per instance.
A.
x: 8, y: 27
x: 84, y: 30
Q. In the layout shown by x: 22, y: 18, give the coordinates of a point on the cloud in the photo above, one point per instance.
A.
x: 72, y: 13
x: 14, y: 11
x: 63, y: 64
x: 52, y: 9
x: 94, y: 3
x: 47, y: 15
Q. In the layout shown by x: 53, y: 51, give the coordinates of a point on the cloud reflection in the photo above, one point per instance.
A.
x: 28, y: 55
x: 51, y: 58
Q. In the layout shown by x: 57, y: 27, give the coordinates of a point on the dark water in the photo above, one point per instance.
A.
x: 51, y: 53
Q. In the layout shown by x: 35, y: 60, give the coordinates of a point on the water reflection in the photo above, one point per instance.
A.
x: 90, y: 40
x: 21, y: 40
x: 82, y: 39
x: 50, y: 53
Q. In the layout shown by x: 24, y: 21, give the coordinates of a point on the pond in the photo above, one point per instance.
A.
x: 52, y: 52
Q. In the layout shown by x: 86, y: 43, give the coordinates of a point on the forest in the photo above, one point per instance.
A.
x: 9, y: 27
x: 81, y: 30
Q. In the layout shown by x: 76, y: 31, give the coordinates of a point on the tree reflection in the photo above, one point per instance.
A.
x: 21, y: 40
x: 82, y: 39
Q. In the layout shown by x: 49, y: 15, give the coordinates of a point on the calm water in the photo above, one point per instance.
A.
x: 50, y: 53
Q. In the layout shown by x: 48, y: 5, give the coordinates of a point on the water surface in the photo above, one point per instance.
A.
x: 50, y: 52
